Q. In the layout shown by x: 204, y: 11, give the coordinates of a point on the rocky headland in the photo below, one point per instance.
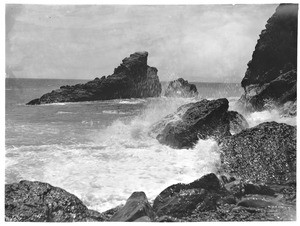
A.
x: 271, y: 77
x: 132, y: 79
x: 181, y: 88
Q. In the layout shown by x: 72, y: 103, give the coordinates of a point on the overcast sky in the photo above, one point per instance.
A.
x: 210, y: 43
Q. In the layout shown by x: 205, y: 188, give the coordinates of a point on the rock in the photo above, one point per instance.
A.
x: 237, y: 122
x: 256, y: 203
x: 143, y: 219
x: 137, y: 208
x: 265, y: 153
x: 109, y: 213
x: 181, y: 88
x: 96, y: 216
x: 167, y: 219
x: 180, y: 200
x: 40, y: 202
x: 132, y: 79
x: 271, y: 77
x: 239, y: 189
x: 203, y: 119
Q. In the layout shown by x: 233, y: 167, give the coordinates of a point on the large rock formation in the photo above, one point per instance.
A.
x: 41, y: 202
x: 181, y: 88
x: 132, y: 79
x: 271, y: 77
x: 203, y: 119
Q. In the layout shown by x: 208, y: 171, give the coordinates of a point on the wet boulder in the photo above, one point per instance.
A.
x: 40, y: 202
x: 181, y: 88
x: 137, y: 208
x: 180, y: 200
x: 201, y: 120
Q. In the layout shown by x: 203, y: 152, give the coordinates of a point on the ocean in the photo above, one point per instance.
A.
x: 100, y: 151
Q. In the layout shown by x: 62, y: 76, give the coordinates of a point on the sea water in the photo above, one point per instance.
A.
x: 100, y: 151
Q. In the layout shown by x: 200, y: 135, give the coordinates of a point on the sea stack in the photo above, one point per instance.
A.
x: 132, y: 79
x: 271, y: 77
x: 181, y: 88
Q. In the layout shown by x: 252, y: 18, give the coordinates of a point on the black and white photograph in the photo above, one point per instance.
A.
x: 155, y: 112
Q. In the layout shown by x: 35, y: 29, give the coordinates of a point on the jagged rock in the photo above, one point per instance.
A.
x: 237, y: 122
x: 192, y: 121
x: 256, y: 203
x: 265, y: 153
x: 181, y: 88
x: 137, y: 208
x: 240, y: 188
x: 132, y: 79
x: 180, y: 200
x: 41, y: 202
x: 271, y: 77
x: 167, y: 219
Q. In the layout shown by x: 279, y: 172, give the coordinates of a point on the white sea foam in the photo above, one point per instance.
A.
x: 114, y: 112
x: 65, y: 112
x: 120, y: 159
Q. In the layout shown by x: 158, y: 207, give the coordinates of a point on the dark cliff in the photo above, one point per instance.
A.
x: 272, y: 72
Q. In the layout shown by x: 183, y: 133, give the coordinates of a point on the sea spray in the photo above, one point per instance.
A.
x: 257, y: 117
x: 116, y: 160
x: 103, y: 165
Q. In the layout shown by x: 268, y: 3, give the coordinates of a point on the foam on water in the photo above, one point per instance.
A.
x: 116, y: 161
x: 256, y: 118
x: 120, y: 158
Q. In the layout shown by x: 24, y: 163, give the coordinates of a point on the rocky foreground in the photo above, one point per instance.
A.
x: 132, y: 79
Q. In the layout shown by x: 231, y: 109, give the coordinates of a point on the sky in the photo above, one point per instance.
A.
x: 201, y: 43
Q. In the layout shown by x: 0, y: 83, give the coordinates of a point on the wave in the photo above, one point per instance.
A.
x: 114, y: 112
x: 65, y: 112
x: 121, y: 158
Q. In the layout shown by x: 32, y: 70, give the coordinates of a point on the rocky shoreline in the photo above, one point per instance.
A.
x: 256, y: 180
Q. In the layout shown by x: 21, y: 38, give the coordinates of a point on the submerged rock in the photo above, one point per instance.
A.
x: 40, y: 202
x: 181, y: 88
x: 132, y: 79
x: 137, y: 208
x: 271, y: 77
x: 265, y: 153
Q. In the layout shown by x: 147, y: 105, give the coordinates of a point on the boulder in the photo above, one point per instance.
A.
x: 181, y: 88
x: 194, y: 121
x: 132, y: 79
x: 40, y: 202
x: 137, y: 208
x: 265, y: 153
x: 180, y: 200
x: 271, y: 76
